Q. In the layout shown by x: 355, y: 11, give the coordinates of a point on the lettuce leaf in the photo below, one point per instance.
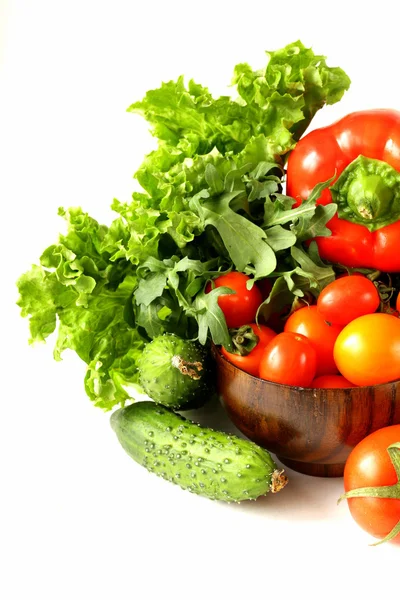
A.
x: 81, y: 289
x: 211, y: 201
x: 277, y: 102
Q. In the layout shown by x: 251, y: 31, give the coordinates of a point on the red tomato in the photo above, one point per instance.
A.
x: 331, y: 381
x: 251, y: 362
x: 310, y: 323
x: 347, y: 298
x: 370, y: 465
x: 289, y: 358
x: 398, y: 303
x: 367, y: 350
x: 241, y: 307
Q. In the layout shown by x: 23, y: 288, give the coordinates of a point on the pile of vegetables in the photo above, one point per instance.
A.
x: 215, y: 252
x: 212, y: 202
x: 349, y: 336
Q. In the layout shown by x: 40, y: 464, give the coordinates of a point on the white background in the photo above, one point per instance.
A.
x: 78, y: 518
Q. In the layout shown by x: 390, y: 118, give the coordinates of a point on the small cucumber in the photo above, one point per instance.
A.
x: 210, y: 463
x: 176, y: 372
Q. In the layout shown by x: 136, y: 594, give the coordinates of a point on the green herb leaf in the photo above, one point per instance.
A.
x: 246, y: 243
x: 210, y: 318
x: 309, y: 274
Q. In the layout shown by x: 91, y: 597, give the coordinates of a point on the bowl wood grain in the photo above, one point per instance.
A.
x: 309, y: 430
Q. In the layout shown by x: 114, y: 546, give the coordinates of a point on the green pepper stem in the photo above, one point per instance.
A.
x: 369, y: 196
x: 367, y: 192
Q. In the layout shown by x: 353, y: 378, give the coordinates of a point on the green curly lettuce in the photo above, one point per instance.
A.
x: 211, y: 201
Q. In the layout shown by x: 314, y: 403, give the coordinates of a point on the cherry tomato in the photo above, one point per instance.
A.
x: 309, y: 322
x: 289, y: 358
x: 367, y: 350
x: 251, y: 362
x: 369, y: 465
x: 398, y: 303
x: 241, y: 307
x: 347, y: 298
x: 331, y: 381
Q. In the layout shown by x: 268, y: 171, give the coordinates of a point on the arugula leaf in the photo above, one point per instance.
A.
x: 246, y: 243
x: 280, y: 238
x: 313, y: 225
x: 210, y: 318
x: 318, y: 274
x: 307, y: 221
x: 163, y: 315
x: 308, y: 274
x: 179, y: 274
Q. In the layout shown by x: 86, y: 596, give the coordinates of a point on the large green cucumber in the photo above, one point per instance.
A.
x: 210, y: 463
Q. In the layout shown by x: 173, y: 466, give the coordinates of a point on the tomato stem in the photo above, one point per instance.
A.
x: 383, y: 491
x: 374, y: 275
x: 244, y: 340
x: 392, y: 534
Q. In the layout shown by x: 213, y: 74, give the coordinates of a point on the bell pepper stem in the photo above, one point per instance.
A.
x: 367, y: 193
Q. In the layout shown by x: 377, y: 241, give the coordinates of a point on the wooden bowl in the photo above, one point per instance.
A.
x: 309, y: 430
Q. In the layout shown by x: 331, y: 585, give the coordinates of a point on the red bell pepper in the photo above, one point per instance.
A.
x: 366, y: 228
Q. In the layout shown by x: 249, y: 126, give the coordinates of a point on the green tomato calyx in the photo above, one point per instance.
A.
x: 244, y: 340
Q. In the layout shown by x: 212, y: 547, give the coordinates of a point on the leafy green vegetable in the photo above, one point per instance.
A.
x: 211, y: 201
x: 308, y: 274
x: 292, y: 73
x: 88, y: 294
x: 277, y: 102
x: 245, y: 241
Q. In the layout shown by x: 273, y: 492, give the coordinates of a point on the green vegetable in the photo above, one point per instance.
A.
x: 203, y: 461
x: 176, y: 373
x: 88, y: 294
x: 368, y: 193
x: 275, y: 106
x: 211, y: 202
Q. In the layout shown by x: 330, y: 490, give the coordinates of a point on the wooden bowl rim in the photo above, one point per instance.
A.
x: 217, y: 350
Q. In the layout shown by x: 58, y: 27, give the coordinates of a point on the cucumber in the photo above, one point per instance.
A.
x: 210, y: 463
x: 176, y: 372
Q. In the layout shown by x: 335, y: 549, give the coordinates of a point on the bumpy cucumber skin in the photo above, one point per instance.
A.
x: 162, y: 379
x: 210, y: 463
